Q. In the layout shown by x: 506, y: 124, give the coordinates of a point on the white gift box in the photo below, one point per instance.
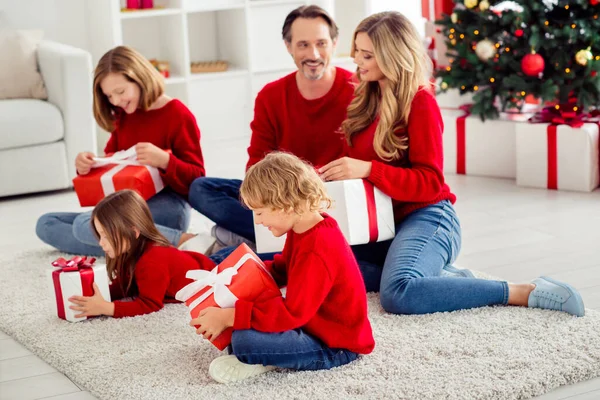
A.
x: 483, y: 148
x: 363, y: 213
x: 558, y: 157
x: 65, y: 283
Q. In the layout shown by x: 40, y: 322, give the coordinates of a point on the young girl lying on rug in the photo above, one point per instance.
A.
x: 322, y: 323
x: 140, y: 260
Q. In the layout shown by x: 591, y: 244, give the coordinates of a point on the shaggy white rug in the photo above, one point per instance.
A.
x: 488, y: 353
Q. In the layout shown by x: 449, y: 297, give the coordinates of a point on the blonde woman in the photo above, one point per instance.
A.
x: 394, y: 132
x: 130, y: 102
x: 322, y: 323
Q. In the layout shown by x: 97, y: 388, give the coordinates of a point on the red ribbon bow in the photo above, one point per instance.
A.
x: 75, y: 263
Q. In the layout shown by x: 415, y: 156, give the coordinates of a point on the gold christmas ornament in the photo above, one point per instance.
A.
x: 485, y: 50
x: 583, y: 56
x: 484, y: 5
x: 454, y: 18
x: 471, y: 3
x: 453, y: 42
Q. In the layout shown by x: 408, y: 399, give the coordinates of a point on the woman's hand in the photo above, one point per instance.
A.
x: 149, y: 154
x: 83, y: 162
x: 213, y: 321
x: 345, y: 168
x: 93, y: 305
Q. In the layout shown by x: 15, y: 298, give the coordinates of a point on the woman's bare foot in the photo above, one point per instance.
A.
x: 184, y: 238
x: 518, y: 294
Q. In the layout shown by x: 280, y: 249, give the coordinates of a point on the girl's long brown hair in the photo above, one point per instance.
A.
x: 119, y: 213
x: 401, y: 56
x: 135, y: 68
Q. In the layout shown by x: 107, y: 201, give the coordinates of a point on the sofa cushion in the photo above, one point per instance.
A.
x: 19, y: 75
x: 28, y: 122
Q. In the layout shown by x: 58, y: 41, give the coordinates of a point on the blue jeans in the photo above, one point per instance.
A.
x: 72, y: 232
x: 427, y: 240
x: 293, y: 349
x: 219, y: 200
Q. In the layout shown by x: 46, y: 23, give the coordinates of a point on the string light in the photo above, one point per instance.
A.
x: 523, y: 93
x: 452, y: 30
x: 507, y: 49
x: 557, y: 107
x: 492, y: 80
x: 546, y: 23
x: 462, y: 35
x: 451, y: 37
x: 567, y: 7
x: 597, y: 58
x: 567, y: 70
x: 476, y: 32
x: 573, y: 26
x: 575, y: 108
x: 497, y: 45
x: 463, y: 87
x: 448, y: 69
x: 475, y: 88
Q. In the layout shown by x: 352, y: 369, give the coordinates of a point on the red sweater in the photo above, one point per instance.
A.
x: 325, y: 292
x: 284, y: 120
x: 172, y: 127
x: 418, y: 181
x: 158, y: 275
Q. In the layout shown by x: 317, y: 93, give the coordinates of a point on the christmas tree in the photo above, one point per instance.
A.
x: 503, y: 51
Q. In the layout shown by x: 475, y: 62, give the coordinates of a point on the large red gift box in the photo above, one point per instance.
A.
x: 109, y: 175
x: 241, y: 276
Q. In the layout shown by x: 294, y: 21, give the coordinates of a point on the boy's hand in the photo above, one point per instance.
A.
x: 345, y: 168
x: 213, y: 321
x: 93, y: 305
x: 149, y: 154
x: 83, y: 162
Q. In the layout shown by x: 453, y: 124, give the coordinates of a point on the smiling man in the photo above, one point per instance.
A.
x: 300, y: 113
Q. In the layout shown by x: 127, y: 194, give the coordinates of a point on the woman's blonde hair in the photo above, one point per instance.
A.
x: 282, y: 181
x: 401, y: 56
x: 135, y: 68
x: 119, y: 213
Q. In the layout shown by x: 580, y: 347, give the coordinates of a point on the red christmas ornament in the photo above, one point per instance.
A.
x: 519, y: 32
x: 594, y: 2
x: 463, y: 63
x: 594, y: 73
x: 532, y: 64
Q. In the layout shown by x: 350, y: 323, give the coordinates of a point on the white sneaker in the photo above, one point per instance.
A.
x: 199, y: 243
x: 228, y: 369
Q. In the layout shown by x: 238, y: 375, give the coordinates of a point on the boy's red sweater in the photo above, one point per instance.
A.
x: 325, y: 292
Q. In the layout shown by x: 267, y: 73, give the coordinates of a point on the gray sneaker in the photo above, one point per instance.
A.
x: 555, y: 295
x: 225, y: 238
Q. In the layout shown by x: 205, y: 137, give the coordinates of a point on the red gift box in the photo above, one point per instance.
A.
x: 115, y: 173
x: 241, y: 276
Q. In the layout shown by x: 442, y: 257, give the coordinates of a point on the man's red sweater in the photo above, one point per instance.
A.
x: 284, y: 120
x: 325, y: 292
x: 418, y: 181
x: 171, y: 127
x: 158, y: 275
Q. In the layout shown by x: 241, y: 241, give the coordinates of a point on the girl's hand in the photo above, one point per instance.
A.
x: 92, y: 306
x: 213, y: 321
x: 83, y: 162
x: 149, y: 154
x: 345, y: 168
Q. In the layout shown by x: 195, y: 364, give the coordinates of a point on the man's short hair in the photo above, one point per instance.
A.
x: 308, y: 12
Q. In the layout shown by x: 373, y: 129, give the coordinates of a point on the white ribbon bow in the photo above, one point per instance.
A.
x: 124, y: 158
x: 217, y: 282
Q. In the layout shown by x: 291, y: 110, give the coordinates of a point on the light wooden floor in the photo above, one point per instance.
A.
x: 510, y: 232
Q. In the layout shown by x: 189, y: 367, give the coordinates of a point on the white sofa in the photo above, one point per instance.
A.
x: 40, y: 139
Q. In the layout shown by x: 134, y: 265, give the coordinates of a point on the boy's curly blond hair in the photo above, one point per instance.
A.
x: 282, y: 181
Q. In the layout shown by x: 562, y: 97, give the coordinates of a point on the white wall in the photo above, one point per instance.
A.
x: 63, y: 21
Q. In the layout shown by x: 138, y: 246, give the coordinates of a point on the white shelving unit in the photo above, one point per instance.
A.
x: 245, y: 33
